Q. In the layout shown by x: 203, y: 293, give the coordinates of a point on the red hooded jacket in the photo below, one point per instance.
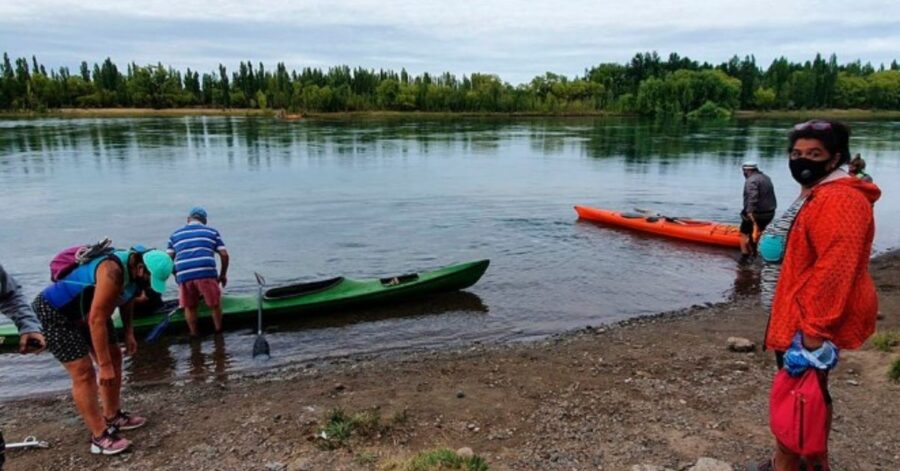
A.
x: 825, y: 289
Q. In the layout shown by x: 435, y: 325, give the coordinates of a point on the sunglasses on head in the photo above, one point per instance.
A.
x: 816, y: 124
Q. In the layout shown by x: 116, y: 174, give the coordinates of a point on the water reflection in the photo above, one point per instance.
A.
x: 211, y: 358
x: 213, y: 364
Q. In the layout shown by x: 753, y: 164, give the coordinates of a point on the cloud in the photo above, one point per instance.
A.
x: 516, y: 40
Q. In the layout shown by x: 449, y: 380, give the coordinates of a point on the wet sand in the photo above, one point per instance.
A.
x: 661, y: 390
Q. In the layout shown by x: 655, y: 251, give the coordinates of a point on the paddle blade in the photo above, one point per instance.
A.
x: 157, y: 331
x: 261, y: 348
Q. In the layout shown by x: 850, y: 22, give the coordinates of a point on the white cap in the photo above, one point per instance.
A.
x: 750, y: 164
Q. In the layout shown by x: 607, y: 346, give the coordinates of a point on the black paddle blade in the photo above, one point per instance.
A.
x: 261, y: 348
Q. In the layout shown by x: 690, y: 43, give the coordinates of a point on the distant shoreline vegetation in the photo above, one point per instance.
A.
x: 647, y: 85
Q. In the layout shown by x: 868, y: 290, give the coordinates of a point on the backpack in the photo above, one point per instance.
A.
x: 798, y: 414
x: 71, y: 258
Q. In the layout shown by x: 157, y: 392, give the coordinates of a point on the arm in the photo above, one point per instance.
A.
x: 752, y: 197
x: 840, y: 236
x: 127, y: 313
x: 223, y: 273
x: 223, y: 254
x: 13, y: 305
x: 110, y: 280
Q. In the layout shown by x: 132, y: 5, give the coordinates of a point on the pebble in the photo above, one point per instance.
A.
x: 740, y: 345
x: 465, y: 452
x: 460, y: 394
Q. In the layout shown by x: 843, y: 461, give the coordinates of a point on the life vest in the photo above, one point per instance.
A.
x: 71, y: 292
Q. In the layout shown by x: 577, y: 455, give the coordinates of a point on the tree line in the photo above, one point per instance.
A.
x: 647, y: 85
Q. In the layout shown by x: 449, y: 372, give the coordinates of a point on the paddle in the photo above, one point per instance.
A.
x: 260, y: 346
x: 157, y: 331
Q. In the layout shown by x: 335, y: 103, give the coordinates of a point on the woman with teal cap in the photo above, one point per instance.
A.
x: 76, y: 314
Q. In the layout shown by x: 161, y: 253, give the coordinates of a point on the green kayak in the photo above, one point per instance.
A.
x: 313, y: 297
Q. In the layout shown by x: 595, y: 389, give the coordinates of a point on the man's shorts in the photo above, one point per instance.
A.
x: 67, y: 339
x: 190, y: 292
x: 762, y: 220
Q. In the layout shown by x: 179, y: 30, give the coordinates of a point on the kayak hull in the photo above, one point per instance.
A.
x: 692, y: 230
x: 344, y: 293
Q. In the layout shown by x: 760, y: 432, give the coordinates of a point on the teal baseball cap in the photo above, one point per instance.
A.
x: 160, y: 266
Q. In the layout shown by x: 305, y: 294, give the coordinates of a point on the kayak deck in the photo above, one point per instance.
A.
x: 693, y: 230
x: 315, y: 297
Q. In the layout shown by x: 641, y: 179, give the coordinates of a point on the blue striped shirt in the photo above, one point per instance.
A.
x: 195, y: 246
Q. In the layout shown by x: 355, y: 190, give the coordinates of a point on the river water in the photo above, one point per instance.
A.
x: 314, y: 199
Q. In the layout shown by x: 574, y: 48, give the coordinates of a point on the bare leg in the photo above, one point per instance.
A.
x: 785, y: 460
x: 217, y: 318
x: 84, y: 393
x: 112, y: 399
x: 746, y: 247
x: 190, y: 315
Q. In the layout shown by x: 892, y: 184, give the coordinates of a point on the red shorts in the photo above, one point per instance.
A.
x: 189, y: 292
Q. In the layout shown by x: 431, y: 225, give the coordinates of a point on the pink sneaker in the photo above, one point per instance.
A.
x: 125, y: 421
x: 109, y: 443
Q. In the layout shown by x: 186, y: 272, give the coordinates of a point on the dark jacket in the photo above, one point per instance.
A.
x: 13, y: 305
x: 759, y: 194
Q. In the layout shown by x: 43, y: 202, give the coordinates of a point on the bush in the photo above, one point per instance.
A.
x: 340, y: 427
x: 438, y: 460
x: 894, y: 371
x: 709, y: 110
x: 886, y: 341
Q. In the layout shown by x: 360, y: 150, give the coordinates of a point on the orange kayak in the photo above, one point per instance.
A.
x: 704, y: 232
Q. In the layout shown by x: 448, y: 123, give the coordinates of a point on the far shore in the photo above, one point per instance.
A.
x: 854, y: 114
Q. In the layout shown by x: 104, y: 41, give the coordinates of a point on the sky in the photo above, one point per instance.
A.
x: 516, y: 40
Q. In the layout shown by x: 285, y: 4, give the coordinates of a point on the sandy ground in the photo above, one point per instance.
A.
x: 657, y: 391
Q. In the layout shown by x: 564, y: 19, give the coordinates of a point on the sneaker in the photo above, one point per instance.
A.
x: 109, y: 443
x: 125, y: 421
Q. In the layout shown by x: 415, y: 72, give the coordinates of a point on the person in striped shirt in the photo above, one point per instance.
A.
x: 193, y: 247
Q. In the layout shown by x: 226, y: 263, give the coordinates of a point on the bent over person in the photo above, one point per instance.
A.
x: 76, y: 312
x: 194, y: 247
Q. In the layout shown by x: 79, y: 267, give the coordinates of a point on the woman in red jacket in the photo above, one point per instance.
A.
x: 824, y: 292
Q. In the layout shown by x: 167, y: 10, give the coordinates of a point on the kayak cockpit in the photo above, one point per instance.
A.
x: 399, y: 280
x: 301, y: 289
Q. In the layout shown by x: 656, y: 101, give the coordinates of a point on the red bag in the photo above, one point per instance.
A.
x: 798, y: 413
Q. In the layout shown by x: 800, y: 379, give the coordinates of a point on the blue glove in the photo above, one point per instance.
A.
x: 797, y: 359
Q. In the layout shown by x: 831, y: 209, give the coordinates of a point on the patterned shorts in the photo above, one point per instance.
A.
x: 67, y: 340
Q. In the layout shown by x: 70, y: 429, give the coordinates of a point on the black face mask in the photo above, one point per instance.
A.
x: 807, y: 172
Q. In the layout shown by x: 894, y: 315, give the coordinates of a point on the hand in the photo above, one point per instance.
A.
x: 223, y: 280
x: 107, y: 375
x: 812, y: 343
x: 32, y: 338
x: 131, y: 345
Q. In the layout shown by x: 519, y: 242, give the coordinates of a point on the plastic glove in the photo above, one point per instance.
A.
x: 797, y: 359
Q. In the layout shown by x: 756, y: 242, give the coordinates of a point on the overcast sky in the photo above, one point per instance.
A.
x: 514, y: 39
